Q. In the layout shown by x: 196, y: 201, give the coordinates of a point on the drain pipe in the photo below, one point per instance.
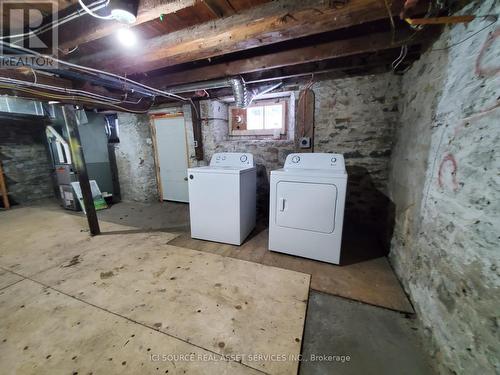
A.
x: 237, y: 84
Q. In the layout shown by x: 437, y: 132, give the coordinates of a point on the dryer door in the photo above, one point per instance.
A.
x: 307, y: 206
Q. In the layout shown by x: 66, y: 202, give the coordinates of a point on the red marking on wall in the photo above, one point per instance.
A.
x: 448, y: 167
x: 480, y: 69
x: 476, y: 116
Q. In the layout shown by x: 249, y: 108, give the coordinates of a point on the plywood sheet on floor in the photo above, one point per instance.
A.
x: 366, y: 279
x: 37, y: 238
x: 219, y: 303
x: 46, y: 332
x: 223, y: 305
x: 8, y: 278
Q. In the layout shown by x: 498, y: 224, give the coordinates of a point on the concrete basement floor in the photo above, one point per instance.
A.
x: 359, y: 338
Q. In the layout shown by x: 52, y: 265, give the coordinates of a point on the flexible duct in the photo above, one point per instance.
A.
x: 237, y: 84
x: 239, y: 91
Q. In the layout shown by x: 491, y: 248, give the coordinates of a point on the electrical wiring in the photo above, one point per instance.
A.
x: 256, y: 96
x: 401, y: 57
x: 393, y: 25
x: 308, y: 86
x: 67, y: 91
x: 466, y: 39
x: 73, y: 98
x: 97, y: 72
x: 34, y: 76
x: 82, y: 4
x: 69, y: 51
x: 61, y: 21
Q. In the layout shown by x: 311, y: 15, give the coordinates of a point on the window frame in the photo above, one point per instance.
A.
x: 283, y: 101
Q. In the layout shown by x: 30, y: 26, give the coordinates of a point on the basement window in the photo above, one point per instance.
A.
x: 261, y: 118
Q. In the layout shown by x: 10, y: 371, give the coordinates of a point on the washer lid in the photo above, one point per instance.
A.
x: 221, y: 169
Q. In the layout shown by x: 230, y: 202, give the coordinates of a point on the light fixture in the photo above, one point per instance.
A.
x: 126, y: 37
x: 124, y: 11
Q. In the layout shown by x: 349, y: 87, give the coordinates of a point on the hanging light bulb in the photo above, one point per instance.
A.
x: 126, y: 37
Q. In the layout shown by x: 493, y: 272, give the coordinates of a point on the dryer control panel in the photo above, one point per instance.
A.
x: 315, y: 161
x: 232, y: 159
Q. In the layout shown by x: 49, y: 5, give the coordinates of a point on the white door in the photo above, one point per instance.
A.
x: 307, y: 206
x: 172, y: 157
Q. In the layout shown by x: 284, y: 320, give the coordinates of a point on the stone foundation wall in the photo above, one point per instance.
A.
x: 25, y: 160
x: 135, y: 160
x: 445, y: 184
x: 357, y: 117
x: 268, y: 154
x: 353, y: 116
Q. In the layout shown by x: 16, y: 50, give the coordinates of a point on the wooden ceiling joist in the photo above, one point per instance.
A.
x: 330, y: 50
x: 270, y: 23
x: 87, y: 29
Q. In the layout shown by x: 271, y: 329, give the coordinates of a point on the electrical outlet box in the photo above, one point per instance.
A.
x: 305, y: 142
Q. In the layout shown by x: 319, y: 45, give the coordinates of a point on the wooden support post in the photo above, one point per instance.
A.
x: 3, y: 189
x: 80, y: 167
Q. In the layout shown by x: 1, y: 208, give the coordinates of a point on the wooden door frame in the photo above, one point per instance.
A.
x: 152, y: 118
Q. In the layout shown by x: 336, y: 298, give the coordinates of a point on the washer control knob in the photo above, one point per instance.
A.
x: 191, y: 176
x: 217, y: 158
x: 223, y: 158
x: 243, y: 158
x: 334, y: 160
x: 296, y: 159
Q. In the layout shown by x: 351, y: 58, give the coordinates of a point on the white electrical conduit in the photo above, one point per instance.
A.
x: 94, y: 6
x: 89, y: 11
x: 265, y: 91
x: 151, y: 90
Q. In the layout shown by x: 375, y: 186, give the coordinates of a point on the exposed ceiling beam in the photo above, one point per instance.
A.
x: 87, y: 29
x: 213, y: 9
x: 270, y: 23
x: 324, y: 51
x: 361, y: 61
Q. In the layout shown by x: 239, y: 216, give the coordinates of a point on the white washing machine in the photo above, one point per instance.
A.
x: 222, y: 198
x: 306, y: 212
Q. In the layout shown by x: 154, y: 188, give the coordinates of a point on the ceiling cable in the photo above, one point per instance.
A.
x: 89, y: 11
x: 151, y: 90
x: 400, y: 59
x: 94, y: 6
x: 469, y: 37
x: 391, y: 19
x: 73, y: 98
x: 66, y: 90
